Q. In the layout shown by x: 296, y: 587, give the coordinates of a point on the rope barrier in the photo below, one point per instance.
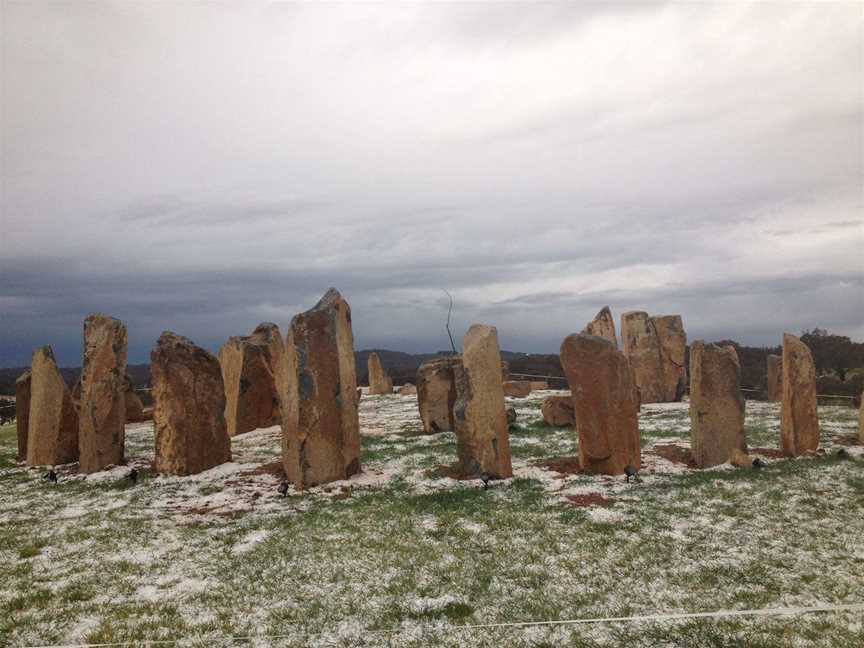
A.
x: 675, y: 616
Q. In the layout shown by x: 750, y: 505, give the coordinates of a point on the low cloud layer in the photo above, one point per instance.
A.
x: 205, y: 167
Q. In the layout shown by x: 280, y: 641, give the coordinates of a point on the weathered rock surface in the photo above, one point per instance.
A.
x: 480, y: 414
x: 799, y: 425
x: 505, y: 371
x: 102, y: 409
x: 861, y: 420
x: 716, y: 404
x: 775, y: 378
x: 538, y: 385
x: 52, y: 430
x: 134, y: 406
x: 324, y: 445
x: 740, y: 459
x: 379, y: 382
x: 605, y: 402
x: 655, y: 347
x: 436, y: 393
x: 558, y: 411
x: 248, y: 366
x: 22, y: 412
x: 603, y: 325
x: 189, y: 411
x: 407, y: 390
x: 517, y: 388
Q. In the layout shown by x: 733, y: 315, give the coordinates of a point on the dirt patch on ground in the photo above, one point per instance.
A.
x: 589, y: 499
x: 675, y: 454
x: 771, y: 453
x: 563, y: 465
x: 846, y: 440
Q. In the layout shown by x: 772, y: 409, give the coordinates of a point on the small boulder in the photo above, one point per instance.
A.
x: 558, y: 411
x: 517, y: 388
x: 408, y: 390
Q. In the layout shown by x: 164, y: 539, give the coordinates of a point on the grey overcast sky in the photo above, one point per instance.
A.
x: 203, y: 167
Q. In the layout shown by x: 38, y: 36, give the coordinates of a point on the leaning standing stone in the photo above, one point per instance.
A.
x: 775, y: 378
x: 436, y: 393
x: 189, y: 415
x: 324, y: 445
x: 22, y: 412
x: 482, y: 439
x: 52, y: 429
x: 379, y: 382
x: 603, y: 325
x: 102, y: 417
x: 606, y: 404
x: 716, y: 404
x: 799, y: 424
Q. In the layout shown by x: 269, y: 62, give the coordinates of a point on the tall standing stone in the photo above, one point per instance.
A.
x: 436, y: 393
x: 379, y: 382
x: 247, y: 362
x: 102, y: 410
x: 775, y: 378
x: 799, y: 424
x: 480, y: 414
x: 606, y: 404
x: 22, y: 411
x: 189, y: 411
x: 324, y: 445
x: 52, y: 429
x: 603, y: 325
x: 716, y: 404
x: 655, y: 347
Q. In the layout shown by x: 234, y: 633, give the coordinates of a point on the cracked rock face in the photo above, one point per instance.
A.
x: 483, y: 443
x: 655, y: 347
x: 323, y: 443
x: 189, y: 414
x: 52, y: 430
x: 248, y: 371
x: 436, y: 393
x: 606, y: 404
x: 716, y: 404
x: 799, y: 425
x: 102, y: 408
x: 379, y: 382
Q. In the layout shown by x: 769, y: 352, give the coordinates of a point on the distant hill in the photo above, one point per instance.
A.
x: 140, y: 374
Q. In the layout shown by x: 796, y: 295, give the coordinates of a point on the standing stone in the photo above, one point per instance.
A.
x: 408, y: 390
x: 22, y: 411
x: 379, y: 382
x: 52, y: 426
x: 775, y: 378
x: 247, y: 363
x: 436, y: 393
x: 799, y: 424
x: 505, y: 371
x: 324, y: 445
x: 134, y: 406
x: 558, y: 411
x: 603, y: 325
x: 861, y: 420
x: 482, y: 439
x: 655, y: 347
x: 102, y: 417
x: 606, y: 404
x: 517, y: 388
x: 716, y: 404
x: 189, y: 412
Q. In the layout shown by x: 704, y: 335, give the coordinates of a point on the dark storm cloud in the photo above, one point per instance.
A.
x: 538, y: 161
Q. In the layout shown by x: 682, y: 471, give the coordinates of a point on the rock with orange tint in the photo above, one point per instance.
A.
x: 716, y: 404
x: 134, y: 406
x: 606, y: 404
x: 482, y: 439
x: 558, y: 411
x: 52, y: 427
x: 538, y: 385
x: 517, y: 388
x: 189, y: 411
x: 505, y: 371
x: 655, y: 347
x: 408, y: 390
x: 436, y: 393
x: 603, y: 325
x: 775, y: 378
x: 22, y: 412
x: 379, y: 382
x: 799, y: 424
x: 324, y: 445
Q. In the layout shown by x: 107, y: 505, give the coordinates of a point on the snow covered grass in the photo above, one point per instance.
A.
x: 401, y: 556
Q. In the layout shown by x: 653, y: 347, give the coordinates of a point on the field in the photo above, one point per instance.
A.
x: 404, y: 556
